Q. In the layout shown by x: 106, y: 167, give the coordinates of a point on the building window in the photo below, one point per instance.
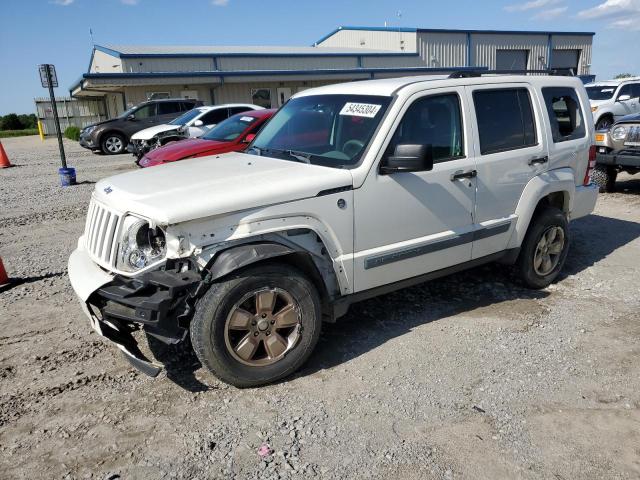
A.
x: 261, y: 97
x: 505, y: 120
x: 565, y: 59
x: 158, y: 95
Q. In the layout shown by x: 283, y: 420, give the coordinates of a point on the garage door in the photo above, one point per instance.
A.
x: 511, y: 59
x: 565, y: 59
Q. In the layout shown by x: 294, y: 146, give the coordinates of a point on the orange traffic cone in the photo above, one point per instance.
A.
x: 4, y: 161
x: 4, y: 278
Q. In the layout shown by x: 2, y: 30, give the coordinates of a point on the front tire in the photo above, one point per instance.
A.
x: 605, y: 177
x: 112, y: 144
x: 258, y: 326
x: 604, y: 122
x: 544, y: 249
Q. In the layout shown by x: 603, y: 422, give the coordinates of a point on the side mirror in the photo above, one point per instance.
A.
x: 623, y: 98
x: 249, y: 138
x: 131, y: 117
x: 198, y: 123
x: 408, y: 158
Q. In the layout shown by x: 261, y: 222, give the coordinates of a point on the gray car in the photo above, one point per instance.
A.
x: 112, y: 136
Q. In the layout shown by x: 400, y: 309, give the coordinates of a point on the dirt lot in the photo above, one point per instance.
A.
x: 465, y: 377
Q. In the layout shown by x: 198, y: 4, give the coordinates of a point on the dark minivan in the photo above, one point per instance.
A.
x: 112, y: 136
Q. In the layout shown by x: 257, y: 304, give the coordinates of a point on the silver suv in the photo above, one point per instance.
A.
x: 618, y: 151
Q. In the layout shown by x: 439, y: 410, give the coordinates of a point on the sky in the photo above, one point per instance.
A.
x: 57, y: 31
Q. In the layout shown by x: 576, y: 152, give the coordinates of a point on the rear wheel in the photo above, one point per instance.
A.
x: 112, y: 144
x: 544, y: 249
x: 258, y: 326
x: 605, y: 177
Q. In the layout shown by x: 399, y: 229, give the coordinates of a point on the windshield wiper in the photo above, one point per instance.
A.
x: 297, y: 156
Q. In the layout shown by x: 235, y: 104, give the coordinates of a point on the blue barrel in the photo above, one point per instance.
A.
x: 67, y: 176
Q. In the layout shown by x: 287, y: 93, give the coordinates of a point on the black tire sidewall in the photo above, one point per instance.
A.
x: 103, y: 143
x: 600, y: 125
x: 208, y: 325
x: 546, y: 218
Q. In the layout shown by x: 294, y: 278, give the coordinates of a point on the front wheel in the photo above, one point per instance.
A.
x: 544, y: 249
x: 113, y: 144
x: 604, y: 122
x: 258, y: 326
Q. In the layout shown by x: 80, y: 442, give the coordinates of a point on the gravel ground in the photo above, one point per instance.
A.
x: 464, y: 377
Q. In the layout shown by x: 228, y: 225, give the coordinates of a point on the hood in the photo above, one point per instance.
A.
x: 186, y: 148
x: 207, y: 186
x: 633, y: 118
x: 101, y: 123
x: 149, y: 133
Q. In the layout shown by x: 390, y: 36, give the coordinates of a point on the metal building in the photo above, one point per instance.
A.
x: 122, y: 76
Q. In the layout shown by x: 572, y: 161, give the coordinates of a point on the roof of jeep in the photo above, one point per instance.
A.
x: 389, y: 86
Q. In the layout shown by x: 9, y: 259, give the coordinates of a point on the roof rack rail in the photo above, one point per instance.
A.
x: 567, y: 72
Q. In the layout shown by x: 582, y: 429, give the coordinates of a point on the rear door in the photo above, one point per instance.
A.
x: 509, y: 151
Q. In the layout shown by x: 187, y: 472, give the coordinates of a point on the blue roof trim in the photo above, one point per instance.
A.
x: 108, y: 51
x: 447, y: 30
x: 262, y: 54
x: 248, y: 73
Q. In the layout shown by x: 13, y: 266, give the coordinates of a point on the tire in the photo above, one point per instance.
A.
x: 604, y: 122
x: 529, y: 271
x: 112, y: 143
x: 214, y: 339
x: 605, y: 177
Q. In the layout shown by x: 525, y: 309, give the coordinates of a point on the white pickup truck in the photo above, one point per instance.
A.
x: 349, y: 191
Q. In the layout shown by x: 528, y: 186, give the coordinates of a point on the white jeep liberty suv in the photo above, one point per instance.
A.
x: 349, y: 191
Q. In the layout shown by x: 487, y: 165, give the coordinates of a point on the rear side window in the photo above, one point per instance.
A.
x: 505, y: 120
x: 215, y: 116
x: 234, y: 110
x: 165, y: 108
x: 565, y: 114
x: 631, y: 89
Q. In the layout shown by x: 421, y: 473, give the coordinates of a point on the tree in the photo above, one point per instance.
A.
x: 11, y: 122
x: 28, y: 120
x: 623, y: 75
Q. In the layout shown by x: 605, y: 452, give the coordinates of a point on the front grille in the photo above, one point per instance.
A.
x: 634, y: 135
x: 100, y: 233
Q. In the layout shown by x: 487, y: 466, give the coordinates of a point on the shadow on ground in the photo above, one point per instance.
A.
x: 371, y: 323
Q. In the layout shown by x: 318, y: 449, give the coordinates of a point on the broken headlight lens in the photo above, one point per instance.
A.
x: 141, y: 246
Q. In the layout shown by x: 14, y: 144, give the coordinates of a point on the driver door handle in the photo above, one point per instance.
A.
x: 460, y: 175
x: 538, y: 161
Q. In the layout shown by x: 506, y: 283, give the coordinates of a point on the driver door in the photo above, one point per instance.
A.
x: 409, y: 224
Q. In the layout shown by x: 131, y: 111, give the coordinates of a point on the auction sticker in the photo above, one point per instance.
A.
x: 247, y: 119
x: 368, y: 110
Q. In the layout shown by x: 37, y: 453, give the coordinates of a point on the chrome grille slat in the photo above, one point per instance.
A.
x: 100, y: 234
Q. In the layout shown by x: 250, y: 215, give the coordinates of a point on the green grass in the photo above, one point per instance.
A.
x: 18, y: 133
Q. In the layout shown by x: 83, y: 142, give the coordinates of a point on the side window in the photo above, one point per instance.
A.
x: 261, y: 96
x: 186, y: 106
x: 165, y: 108
x: 631, y: 89
x: 234, y: 110
x: 565, y: 114
x: 214, y: 116
x: 147, y: 111
x: 435, y: 121
x: 505, y: 120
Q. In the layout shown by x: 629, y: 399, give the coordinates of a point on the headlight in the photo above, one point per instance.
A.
x: 619, y: 133
x: 88, y: 130
x: 140, y: 246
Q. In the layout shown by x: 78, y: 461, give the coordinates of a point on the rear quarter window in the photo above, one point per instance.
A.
x: 565, y: 115
x: 505, y: 120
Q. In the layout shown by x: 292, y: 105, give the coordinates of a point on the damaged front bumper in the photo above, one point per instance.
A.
x: 160, y: 302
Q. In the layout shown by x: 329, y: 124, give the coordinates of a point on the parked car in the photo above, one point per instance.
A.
x: 112, y: 136
x: 349, y: 191
x: 231, y: 135
x: 191, y: 124
x: 618, y: 151
x: 613, y: 99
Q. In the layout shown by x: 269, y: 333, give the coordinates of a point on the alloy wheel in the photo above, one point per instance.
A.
x: 548, y: 250
x: 114, y: 144
x: 262, y: 327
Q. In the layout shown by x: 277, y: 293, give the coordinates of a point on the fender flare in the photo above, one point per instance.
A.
x: 235, y: 258
x: 553, y: 181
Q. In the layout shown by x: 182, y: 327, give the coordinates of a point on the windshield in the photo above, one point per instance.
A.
x: 229, y: 129
x: 329, y: 130
x: 602, y: 92
x: 186, y: 117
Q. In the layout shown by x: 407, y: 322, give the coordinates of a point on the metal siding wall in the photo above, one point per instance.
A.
x: 389, y: 62
x: 193, y: 64
x: 443, y: 49
x: 105, y: 63
x: 576, y: 42
x: 137, y: 94
x: 286, y: 63
x: 484, y: 48
x: 71, y: 112
x: 375, y: 40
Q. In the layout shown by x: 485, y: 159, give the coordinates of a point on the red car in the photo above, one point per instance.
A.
x: 232, y: 135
